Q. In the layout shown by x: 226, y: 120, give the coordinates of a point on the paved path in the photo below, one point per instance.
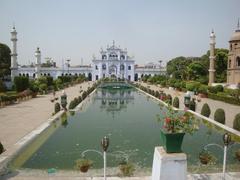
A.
x: 20, y: 119
x: 230, y: 110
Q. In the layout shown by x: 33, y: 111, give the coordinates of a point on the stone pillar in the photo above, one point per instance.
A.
x: 212, y: 59
x: 14, y: 65
x: 37, y: 63
x: 169, y: 166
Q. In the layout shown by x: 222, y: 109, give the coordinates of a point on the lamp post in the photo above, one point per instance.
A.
x: 226, y: 141
x: 105, y: 144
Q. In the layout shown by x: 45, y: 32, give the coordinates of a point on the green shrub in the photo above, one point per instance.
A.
x: 206, y: 111
x: 219, y: 88
x: 215, y: 89
x: 171, y: 82
x: 236, y: 122
x: 177, y: 85
x: 203, y: 89
x: 176, y: 102
x: 2, y: 86
x: 192, y: 86
x: 169, y: 99
x: 21, y: 83
x: 57, y: 107
x: 192, y: 105
x: 219, y: 116
x: 72, y: 105
x: 43, y: 87
x: 1, y: 148
x: 157, y: 94
x: 84, y: 95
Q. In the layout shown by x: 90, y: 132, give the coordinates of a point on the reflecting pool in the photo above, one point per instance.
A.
x: 129, y: 118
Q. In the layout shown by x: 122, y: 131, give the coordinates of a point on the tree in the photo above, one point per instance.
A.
x: 5, y: 60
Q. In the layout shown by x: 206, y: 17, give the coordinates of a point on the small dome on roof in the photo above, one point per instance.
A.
x: 235, y: 36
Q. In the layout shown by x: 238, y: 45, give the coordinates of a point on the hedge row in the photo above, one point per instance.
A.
x: 79, y: 99
x: 227, y: 99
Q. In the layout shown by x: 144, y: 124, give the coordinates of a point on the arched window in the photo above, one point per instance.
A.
x: 122, y: 57
x: 238, y: 61
x: 104, y: 66
x: 122, y: 67
x: 20, y: 74
x: 104, y: 57
x: 229, y: 63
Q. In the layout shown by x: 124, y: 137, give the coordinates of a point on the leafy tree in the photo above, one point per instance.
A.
x: 21, y: 83
x: 177, y: 67
x: 5, y: 60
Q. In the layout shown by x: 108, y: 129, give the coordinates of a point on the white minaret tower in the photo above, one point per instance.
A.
x: 14, y: 65
x: 37, y: 62
x: 212, y: 58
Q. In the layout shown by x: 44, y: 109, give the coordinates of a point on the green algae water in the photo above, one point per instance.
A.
x: 129, y: 118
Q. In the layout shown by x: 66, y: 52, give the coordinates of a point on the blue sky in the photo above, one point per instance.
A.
x: 151, y: 30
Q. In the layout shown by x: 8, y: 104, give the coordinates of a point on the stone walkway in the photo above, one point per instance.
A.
x: 230, y: 110
x: 20, y: 119
x: 213, y: 176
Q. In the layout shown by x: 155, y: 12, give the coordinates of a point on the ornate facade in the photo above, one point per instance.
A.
x: 114, y: 62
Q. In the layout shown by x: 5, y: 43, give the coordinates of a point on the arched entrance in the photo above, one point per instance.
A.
x: 113, y: 70
x: 136, y: 77
x: 90, y: 76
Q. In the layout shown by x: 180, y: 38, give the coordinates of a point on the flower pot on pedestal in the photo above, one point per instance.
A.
x: 171, y: 142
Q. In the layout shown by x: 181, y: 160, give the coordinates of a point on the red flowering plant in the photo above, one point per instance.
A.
x: 175, y: 121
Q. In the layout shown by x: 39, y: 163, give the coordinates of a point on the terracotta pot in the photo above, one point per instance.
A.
x: 238, y: 155
x: 204, y: 159
x: 84, y: 169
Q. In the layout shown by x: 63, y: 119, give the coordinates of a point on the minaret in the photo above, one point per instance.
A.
x: 37, y: 62
x: 14, y: 65
x: 212, y: 59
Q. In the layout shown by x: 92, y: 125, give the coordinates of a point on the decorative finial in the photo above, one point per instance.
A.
x: 113, y: 43
x: 212, y: 30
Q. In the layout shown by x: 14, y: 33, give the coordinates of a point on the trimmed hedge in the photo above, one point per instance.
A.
x: 219, y: 116
x: 1, y: 148
x: 192, y: 105
x: 206, y: 111
x: 176, y: 102
x: 57, y: 107
x: 227, y: 99
x: 236, y: 122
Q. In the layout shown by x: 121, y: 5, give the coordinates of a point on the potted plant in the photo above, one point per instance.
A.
x: 126, y: 168
x: 83, y: 164
x: 205, y: 157
x: 237, y: 153
x: 175, y: 124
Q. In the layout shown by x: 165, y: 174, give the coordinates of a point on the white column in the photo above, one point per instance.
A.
x: 37, y: 63
x: 212, y: 59
x: 169, y: 166
x: 14, y: 66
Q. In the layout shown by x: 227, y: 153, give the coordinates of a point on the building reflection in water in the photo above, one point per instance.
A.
x: 114, y: 101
